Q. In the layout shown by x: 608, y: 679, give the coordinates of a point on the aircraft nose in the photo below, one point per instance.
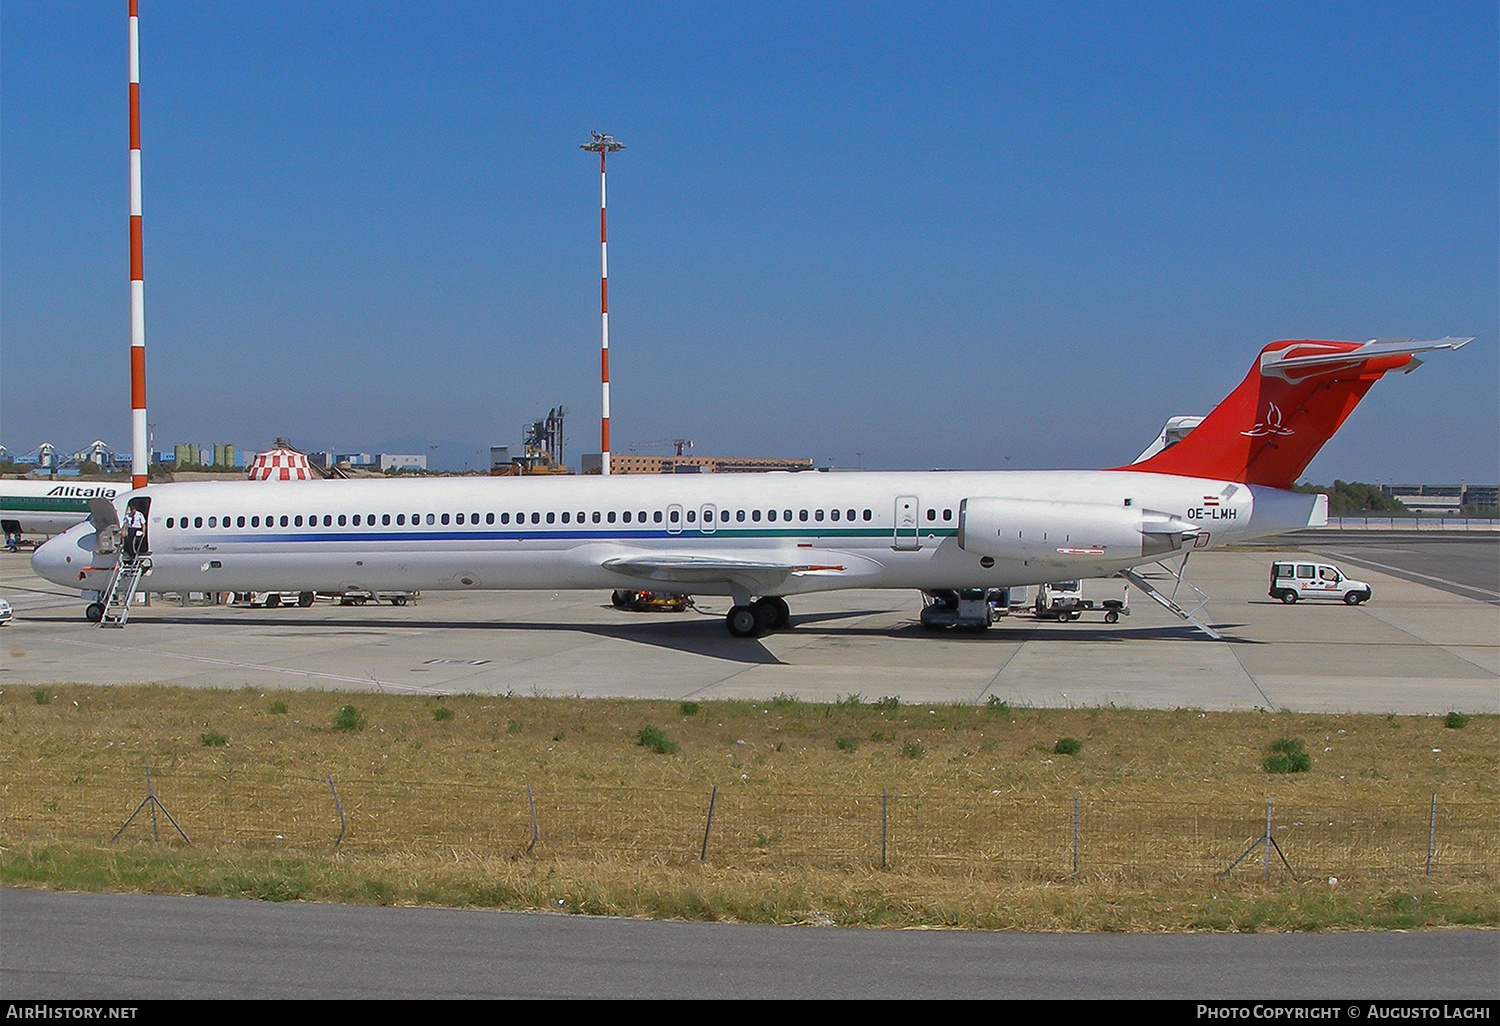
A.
x: 63, y: 559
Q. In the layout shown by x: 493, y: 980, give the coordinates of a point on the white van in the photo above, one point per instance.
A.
x: 1293, y: 581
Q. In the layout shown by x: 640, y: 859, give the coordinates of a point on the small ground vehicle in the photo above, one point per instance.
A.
x: 359, y: 598
x: 648, y: 601
x: 957, y: 607
x: 6, y: 613
x: 273, y: 599
x: 1066, y: 600
x: 1294, y: 580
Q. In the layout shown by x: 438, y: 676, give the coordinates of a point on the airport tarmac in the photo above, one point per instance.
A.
x: 1419, y: 647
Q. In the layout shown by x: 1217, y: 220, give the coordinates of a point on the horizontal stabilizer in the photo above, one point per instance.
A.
x: 1295, y: 397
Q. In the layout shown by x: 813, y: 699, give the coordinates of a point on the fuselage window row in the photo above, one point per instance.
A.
x: 551, y: 517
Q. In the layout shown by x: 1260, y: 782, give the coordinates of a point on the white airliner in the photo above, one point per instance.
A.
x: 759, y: 538
x: 49, y: 507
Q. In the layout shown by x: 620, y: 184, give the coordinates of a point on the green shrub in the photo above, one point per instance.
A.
x: 888, y: 702
x: 847, y: 744
x: 210, y: 739
x: 442, y: 714
x: 1067, y: 746
x: 1287, y: 755
x: 277, y: 709
x: 513, y: 727
x: 849, y: 701
x: 42, y: 697
x: 912, y: 750
x: 783, y: 701
x: 349, y: 718
x: 656, y: 740
x: 688, y: 708
x: 1457, y: 721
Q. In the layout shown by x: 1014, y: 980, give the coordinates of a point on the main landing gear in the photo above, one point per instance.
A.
x: 749, y: 619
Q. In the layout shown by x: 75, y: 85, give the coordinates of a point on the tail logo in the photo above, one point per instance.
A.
x: 1270, y: 424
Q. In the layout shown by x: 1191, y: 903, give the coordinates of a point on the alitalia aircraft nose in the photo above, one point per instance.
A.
x: 67, y: 557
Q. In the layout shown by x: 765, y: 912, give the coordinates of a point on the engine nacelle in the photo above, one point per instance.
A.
x: 1040, y: 530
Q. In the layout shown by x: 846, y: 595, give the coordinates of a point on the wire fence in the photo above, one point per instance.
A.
x: 1004, y: 835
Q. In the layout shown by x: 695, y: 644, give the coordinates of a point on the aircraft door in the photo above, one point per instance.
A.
x: 907, y: 536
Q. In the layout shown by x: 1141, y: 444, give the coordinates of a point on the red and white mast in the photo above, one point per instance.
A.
x: 139, y: 455
x: 602, y: 144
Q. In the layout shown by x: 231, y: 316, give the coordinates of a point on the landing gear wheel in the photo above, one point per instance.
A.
x: 305, y: 599
x: 273, y: 600
x: 742, y: 621
x: 765, y: 615
x: 1289, y: 597
x: 95, y: 612
x: 619, y: 598
x: 783, y: 611
x: 1112, y: 617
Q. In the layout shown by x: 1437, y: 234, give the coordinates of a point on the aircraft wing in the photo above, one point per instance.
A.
x: 755, y: 576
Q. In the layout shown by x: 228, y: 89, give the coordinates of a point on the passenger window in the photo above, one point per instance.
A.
x: 566, y: 517
x: 596, y: 516
x: 342, y: 520
x: 489, y: 518
x: 1304, y: 572
x: 833, y: 514
x: 674, y: 516
x: 505, y: 518
x: 536, y: 518
x: 239, y: 521
x: 724, y: 516
x: 786, y: 514
x: 169, y: 522
x: 283, y: 521
x: 385, y: 520
x: 867, y: 515
x: 739, y: 515
x: 656, y: 516
x: 755, y: 515
x: 298, y: 521
x: 551, y: 518
x: 692, y: 515
x: 400, y: 519
x: 817, y: 514
x: 611, y: 516
x: 627, y: 516
x: 770, y: 514
x: 356, y: 520
x: 1328, y: 573
x: 327, y: 519
x: 460, y: 518
x: 445, y: 520
x: 213, y: 521
x: 947, y: 514
x: 802, y: 515
x: 431, y: 519
x: 931, y: 514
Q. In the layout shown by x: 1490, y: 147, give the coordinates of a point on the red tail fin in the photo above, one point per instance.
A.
x: 1294, y: 398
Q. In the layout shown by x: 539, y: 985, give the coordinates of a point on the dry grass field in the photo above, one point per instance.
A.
x: 864, y: 812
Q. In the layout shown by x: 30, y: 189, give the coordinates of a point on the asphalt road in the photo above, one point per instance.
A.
x: 82, y: 946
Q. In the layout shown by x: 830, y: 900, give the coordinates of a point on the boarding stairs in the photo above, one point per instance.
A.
x: 123, y: 584
x: 1169, y: 602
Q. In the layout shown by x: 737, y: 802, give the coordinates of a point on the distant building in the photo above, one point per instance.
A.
x: 389, y: 461
x: 1443, y: 500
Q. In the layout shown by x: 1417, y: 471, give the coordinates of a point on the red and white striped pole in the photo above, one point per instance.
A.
x: 603, y: 144
x: 139, y: 443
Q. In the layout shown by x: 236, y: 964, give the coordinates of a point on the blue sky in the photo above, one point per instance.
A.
x: 889, y: 235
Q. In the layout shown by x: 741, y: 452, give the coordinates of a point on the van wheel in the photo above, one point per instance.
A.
x: 1289, y: 597
x: 1112, y: 617
x: 1354, y: 598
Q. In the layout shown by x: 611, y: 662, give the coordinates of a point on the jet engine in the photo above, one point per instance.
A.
x: 1039, y: 530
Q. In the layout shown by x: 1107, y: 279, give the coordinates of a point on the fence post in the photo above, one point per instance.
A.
x: 338, y: 807
x: 1268, y: 839
x: 703, y: 855
x: 1431, y: 832
x: 531, y: 803
x: 882, y: 828
x: 1075, y: 835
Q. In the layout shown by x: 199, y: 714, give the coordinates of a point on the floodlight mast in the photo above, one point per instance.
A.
x: 603, y: 145
x: 140, y: 455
